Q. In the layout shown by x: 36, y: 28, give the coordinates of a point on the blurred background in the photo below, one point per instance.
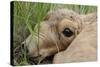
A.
x: 28, y: 14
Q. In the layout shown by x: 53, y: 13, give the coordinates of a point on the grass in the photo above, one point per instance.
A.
x: 28, y: 15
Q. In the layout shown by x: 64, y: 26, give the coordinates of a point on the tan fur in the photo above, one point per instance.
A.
x: 84, y: 46
x: 52, y: 41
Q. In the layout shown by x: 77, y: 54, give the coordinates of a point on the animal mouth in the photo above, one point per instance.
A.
x: 39, y: 60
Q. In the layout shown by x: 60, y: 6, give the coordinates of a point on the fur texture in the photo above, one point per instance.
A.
x: 50, y: 40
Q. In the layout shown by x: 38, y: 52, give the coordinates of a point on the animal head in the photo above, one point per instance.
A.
x: 56, y: 32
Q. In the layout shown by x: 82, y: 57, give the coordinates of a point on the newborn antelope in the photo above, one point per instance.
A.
x: 56, y: 33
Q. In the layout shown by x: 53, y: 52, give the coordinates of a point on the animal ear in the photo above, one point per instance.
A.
x: 91, y: 17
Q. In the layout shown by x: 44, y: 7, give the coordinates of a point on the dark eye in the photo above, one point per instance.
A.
x: 67, y: 32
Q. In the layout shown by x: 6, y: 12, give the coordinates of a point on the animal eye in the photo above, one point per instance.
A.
x: 67, y: 32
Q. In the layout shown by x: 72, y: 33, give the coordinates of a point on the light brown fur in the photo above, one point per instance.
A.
x: 52, y: 41
x: 83, y: 48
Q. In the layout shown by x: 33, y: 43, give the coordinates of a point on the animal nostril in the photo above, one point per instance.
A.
x: 23, y: 46
x: 22, y: 43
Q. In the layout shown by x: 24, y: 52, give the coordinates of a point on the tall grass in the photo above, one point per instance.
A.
x: 27, y: 15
